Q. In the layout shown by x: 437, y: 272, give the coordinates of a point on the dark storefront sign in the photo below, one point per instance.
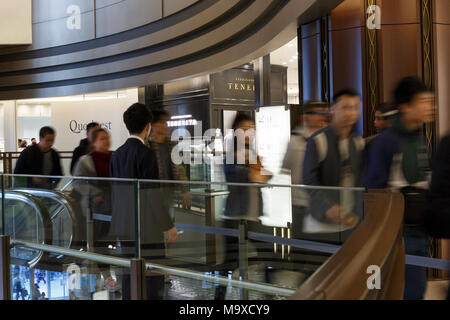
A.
x: 234, y: 90
x: 187, y: 101
x: 235, y: 84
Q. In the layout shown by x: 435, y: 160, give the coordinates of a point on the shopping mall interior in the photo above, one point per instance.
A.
x: 203, y: 64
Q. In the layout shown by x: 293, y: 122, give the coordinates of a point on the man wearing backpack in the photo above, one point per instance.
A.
x: 398, y: 159
x: 334, y: 157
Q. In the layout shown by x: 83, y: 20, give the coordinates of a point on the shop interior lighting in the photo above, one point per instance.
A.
x: 293, y: 91
x: 84, y: 97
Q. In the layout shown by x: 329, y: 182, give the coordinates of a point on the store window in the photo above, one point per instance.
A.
x: 70, y: 115
x: 30, y: 119
x: 287, y: 56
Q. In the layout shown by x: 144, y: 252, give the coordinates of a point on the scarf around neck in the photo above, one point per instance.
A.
x: 101, y: 163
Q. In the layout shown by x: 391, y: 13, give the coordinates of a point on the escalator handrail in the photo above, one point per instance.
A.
x: 64, y: 187
x: 376, y: 242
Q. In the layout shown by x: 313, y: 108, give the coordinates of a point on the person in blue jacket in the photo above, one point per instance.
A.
x: 334, y: 157
x: 398, y: 159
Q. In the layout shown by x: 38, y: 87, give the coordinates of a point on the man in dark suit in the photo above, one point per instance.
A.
x: 40, y: 159
x: 134, y: 160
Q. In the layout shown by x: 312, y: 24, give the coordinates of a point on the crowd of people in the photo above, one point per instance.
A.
x: 133, y: 160
x: 396, y: 158
x: 326, y: 150
x: 23, y: 144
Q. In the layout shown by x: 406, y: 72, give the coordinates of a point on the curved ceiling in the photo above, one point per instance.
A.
x: 206, y: 36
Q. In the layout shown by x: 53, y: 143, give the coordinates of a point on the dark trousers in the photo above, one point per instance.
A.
x: 231, y: 251
x: 415, y: 277
x: 151, y: 253
x: 154, y: 287
x: 298, y: 216
x: 448, y: 294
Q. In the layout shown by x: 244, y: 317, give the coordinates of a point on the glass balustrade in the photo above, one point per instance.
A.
x: 263, y: 241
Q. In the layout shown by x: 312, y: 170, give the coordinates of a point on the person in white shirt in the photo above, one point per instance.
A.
x: 315, y: 116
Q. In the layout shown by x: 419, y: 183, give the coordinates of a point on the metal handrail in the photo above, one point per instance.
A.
x: 260, y: 185
x: 270, y: 289
x: 19, y: 152
x: 44, y: 193
x: 210, y: 194
x: 64, y: 187
x: 121, y: 262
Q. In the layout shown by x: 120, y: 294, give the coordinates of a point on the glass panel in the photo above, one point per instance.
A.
x: 209, y: 220
x: 326, y: 214
x: 245, y: 232
x: 25, y: 219
x: 71, y: 213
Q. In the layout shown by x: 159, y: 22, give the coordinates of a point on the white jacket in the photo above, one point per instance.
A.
x: 293, y: 164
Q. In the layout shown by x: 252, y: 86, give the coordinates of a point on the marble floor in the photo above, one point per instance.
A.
x: 178, y: 288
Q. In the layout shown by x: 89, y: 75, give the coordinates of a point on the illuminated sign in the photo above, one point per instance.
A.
x: 182, y: 123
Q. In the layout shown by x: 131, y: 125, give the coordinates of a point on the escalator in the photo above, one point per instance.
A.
x: 63, y: 215
x: 26, y: 218
x: 45, y: 217
x: 53, y: 218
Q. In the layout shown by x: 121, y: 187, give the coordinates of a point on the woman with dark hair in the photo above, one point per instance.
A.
x: 96, y: 194
x: 244, y: 203
x: 244, y: 122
